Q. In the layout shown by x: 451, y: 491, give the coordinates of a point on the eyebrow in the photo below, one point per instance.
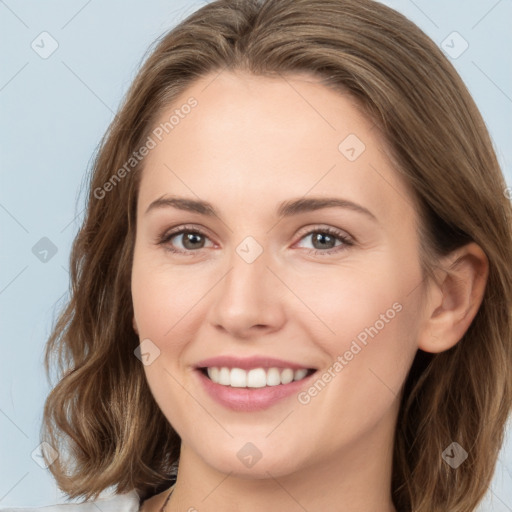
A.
x: 285, y: 209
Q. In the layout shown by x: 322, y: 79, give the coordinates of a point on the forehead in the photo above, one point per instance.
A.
x: 263, y: 140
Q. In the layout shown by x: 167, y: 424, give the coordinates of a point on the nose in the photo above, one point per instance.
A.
x: 248, y: 301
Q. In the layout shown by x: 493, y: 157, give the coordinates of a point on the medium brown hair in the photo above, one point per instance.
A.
x: 101, y: 412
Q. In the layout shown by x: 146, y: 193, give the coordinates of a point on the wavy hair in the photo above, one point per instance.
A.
x: 101, y: 415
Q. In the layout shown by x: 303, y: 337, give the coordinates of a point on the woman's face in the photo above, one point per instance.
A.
x: 279, y: 281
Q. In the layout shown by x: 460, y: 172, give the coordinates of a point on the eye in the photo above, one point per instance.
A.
x: 324, y: 241
x: 191, y: 240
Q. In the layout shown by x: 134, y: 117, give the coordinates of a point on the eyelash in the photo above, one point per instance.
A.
x: 346, y: 241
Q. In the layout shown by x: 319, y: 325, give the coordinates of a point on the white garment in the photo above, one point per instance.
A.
x: 128, y: 502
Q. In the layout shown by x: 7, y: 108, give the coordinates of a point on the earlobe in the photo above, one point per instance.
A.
x: 134, y: 324
x: 454, y: 300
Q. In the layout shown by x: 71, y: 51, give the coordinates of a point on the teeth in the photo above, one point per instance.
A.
x: 300, y: 374
x: 238, y: 378
x: 214, y: 374
x: 255, y: 378
x: 287, y: 376
x: 273, y: 377
x: 224, y: 376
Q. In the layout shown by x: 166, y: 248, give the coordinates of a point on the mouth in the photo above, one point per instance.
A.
x: 259, y: 377
x: 250, y: 384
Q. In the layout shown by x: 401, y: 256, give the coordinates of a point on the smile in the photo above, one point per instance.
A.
x: 256, y: 377
x: 251, y: 384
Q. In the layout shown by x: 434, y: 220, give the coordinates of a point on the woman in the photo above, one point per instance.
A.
x: 340, y: 337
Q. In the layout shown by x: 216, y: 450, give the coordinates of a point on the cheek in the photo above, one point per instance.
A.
x: 163, y: 296
x: 370, y: 328
x: 370, y: 357
x: 163, y: 302
x: 373, y: 343
x: 374, y: 365
x: 356, y: 299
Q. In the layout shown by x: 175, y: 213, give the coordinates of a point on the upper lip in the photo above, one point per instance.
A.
x: 247, y: 363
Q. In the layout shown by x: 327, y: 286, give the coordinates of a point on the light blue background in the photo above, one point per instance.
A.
x: 53, y: 114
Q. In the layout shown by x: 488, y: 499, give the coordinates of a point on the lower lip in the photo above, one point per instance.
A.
x: 250, y: 399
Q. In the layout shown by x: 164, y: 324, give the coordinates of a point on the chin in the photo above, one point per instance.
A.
x: 254, y: 460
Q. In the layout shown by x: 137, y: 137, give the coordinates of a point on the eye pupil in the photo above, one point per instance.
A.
x: 320, y: 237
x: 191, y: 238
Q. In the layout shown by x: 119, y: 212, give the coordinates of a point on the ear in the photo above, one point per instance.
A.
x: 134, y: 324
x: 454, y: 299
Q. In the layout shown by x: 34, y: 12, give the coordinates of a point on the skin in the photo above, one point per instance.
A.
x: 251, y: 143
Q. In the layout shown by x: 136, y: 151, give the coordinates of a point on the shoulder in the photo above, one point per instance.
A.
x: 128, y: 502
